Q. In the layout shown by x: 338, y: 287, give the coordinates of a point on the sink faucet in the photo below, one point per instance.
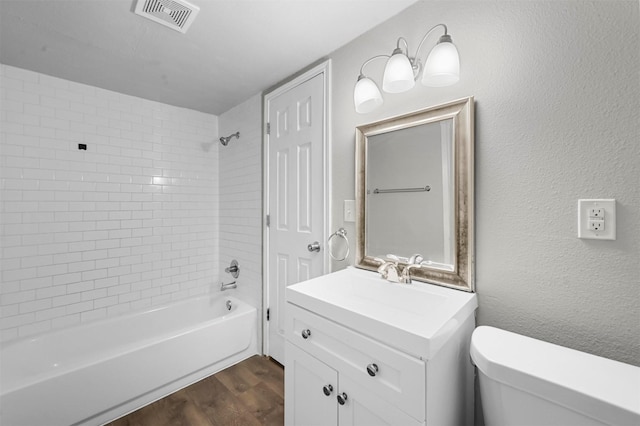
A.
x: 405, y: 277
x: 414, y: 262
x: 389, y: 271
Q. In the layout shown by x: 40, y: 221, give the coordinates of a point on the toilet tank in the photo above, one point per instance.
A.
x: 524, y: 381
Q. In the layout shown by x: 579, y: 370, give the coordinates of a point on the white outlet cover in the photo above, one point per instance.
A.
x: 584, y: 207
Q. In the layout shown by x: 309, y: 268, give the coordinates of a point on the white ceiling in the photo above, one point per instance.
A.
x: 233, y: 50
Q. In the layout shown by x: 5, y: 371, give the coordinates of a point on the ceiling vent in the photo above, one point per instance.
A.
x: 175, y: 14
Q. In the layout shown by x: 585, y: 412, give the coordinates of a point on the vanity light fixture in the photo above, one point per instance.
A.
x: 441, y: 68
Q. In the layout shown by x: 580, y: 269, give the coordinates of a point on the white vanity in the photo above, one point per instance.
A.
x: 364, y: 351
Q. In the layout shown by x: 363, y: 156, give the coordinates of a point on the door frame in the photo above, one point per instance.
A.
x: 323, y: 69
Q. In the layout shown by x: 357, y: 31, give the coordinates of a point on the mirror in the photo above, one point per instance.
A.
x: 414, y: 193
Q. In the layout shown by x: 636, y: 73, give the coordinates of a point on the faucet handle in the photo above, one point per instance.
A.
x: 233, y: 269
x: 384, y: 264
x: 392, y: 273
x: 382, y: 269
x: 389, y: 271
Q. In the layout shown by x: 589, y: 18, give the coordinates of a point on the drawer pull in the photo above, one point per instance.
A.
x: 372, y: 369
x: 306, y: 333
x: 327, y: 390
x: 342, y: 398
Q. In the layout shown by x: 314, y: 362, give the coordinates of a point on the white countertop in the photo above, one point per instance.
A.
x: 415, y: 318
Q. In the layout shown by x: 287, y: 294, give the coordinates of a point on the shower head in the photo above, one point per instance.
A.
x: 224, y: 140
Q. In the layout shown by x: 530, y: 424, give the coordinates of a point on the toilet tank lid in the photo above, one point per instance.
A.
x: 577, y: 379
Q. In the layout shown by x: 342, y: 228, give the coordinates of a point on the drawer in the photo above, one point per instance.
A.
x: 400, y: 378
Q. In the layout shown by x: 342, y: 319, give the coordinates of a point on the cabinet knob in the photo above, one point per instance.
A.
x: 306, y: 333
x: 372, y: 369
x: 327, y: 390
x: 342, y: 398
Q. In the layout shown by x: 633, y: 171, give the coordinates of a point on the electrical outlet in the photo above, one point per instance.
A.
x: 597, y: 219
x: 596, y: 225
x: 596, y: 212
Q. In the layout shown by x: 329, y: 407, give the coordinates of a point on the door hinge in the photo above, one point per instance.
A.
x: 268, y: 314
x: 268, y: 221
x: 268, y: 128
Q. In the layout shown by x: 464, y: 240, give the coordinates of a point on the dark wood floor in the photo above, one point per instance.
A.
x: 250, y: 393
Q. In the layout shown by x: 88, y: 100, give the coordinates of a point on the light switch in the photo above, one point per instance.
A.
x: 597, y: 219
x: 349, y: 210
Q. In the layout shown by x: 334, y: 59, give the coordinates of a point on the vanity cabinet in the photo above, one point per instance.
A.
x: 324, y: 397
x: 335, y: 376
x: 365, y: 359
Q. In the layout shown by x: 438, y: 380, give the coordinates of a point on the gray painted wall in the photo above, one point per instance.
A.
x: 557, y: 90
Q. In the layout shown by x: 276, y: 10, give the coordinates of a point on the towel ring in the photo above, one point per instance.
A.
x: 343, y: 234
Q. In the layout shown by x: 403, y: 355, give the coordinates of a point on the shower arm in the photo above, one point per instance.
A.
x: 225, y: 140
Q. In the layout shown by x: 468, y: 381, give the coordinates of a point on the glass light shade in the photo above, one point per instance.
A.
x: 398, y: 74
x: 366, y: 95
x: 442, y: 67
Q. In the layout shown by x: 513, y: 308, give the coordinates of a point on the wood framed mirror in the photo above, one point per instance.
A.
x: 415, y: 193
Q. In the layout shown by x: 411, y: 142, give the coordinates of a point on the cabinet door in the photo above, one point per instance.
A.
x: 363, y: 408
x: 401, y: 377
x: 306, y: 383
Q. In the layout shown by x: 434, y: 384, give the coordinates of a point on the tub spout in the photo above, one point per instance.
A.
x: 228, y: 286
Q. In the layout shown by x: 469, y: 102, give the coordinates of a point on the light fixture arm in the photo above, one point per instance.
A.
x: 370, y: 60
x: 406, y: 45
x: 415, y: 60
x: 427, y: 35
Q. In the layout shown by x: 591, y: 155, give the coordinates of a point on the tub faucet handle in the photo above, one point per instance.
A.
x: 233, y: 269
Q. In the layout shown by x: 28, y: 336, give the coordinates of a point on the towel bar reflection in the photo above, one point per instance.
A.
x: 388, y: 191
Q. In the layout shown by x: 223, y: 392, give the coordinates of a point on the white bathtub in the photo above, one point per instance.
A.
x: 94, y: 373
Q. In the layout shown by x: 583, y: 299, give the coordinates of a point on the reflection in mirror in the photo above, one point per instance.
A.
x: 413, y: 184
x: 414, y: 193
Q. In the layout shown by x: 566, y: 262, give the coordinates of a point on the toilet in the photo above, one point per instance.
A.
x: 524, y: 381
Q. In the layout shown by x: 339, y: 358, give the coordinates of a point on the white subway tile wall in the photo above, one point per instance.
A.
x: 241, y: 198
x: 130, y: 222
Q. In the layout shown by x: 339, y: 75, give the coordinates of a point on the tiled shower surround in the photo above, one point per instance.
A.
x: 240, y: 195
x: 128, y: 223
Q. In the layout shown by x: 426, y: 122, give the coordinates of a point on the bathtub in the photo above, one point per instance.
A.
x: 97, y: 372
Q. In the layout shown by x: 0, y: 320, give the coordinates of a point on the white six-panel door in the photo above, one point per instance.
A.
x: 295, y: 202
